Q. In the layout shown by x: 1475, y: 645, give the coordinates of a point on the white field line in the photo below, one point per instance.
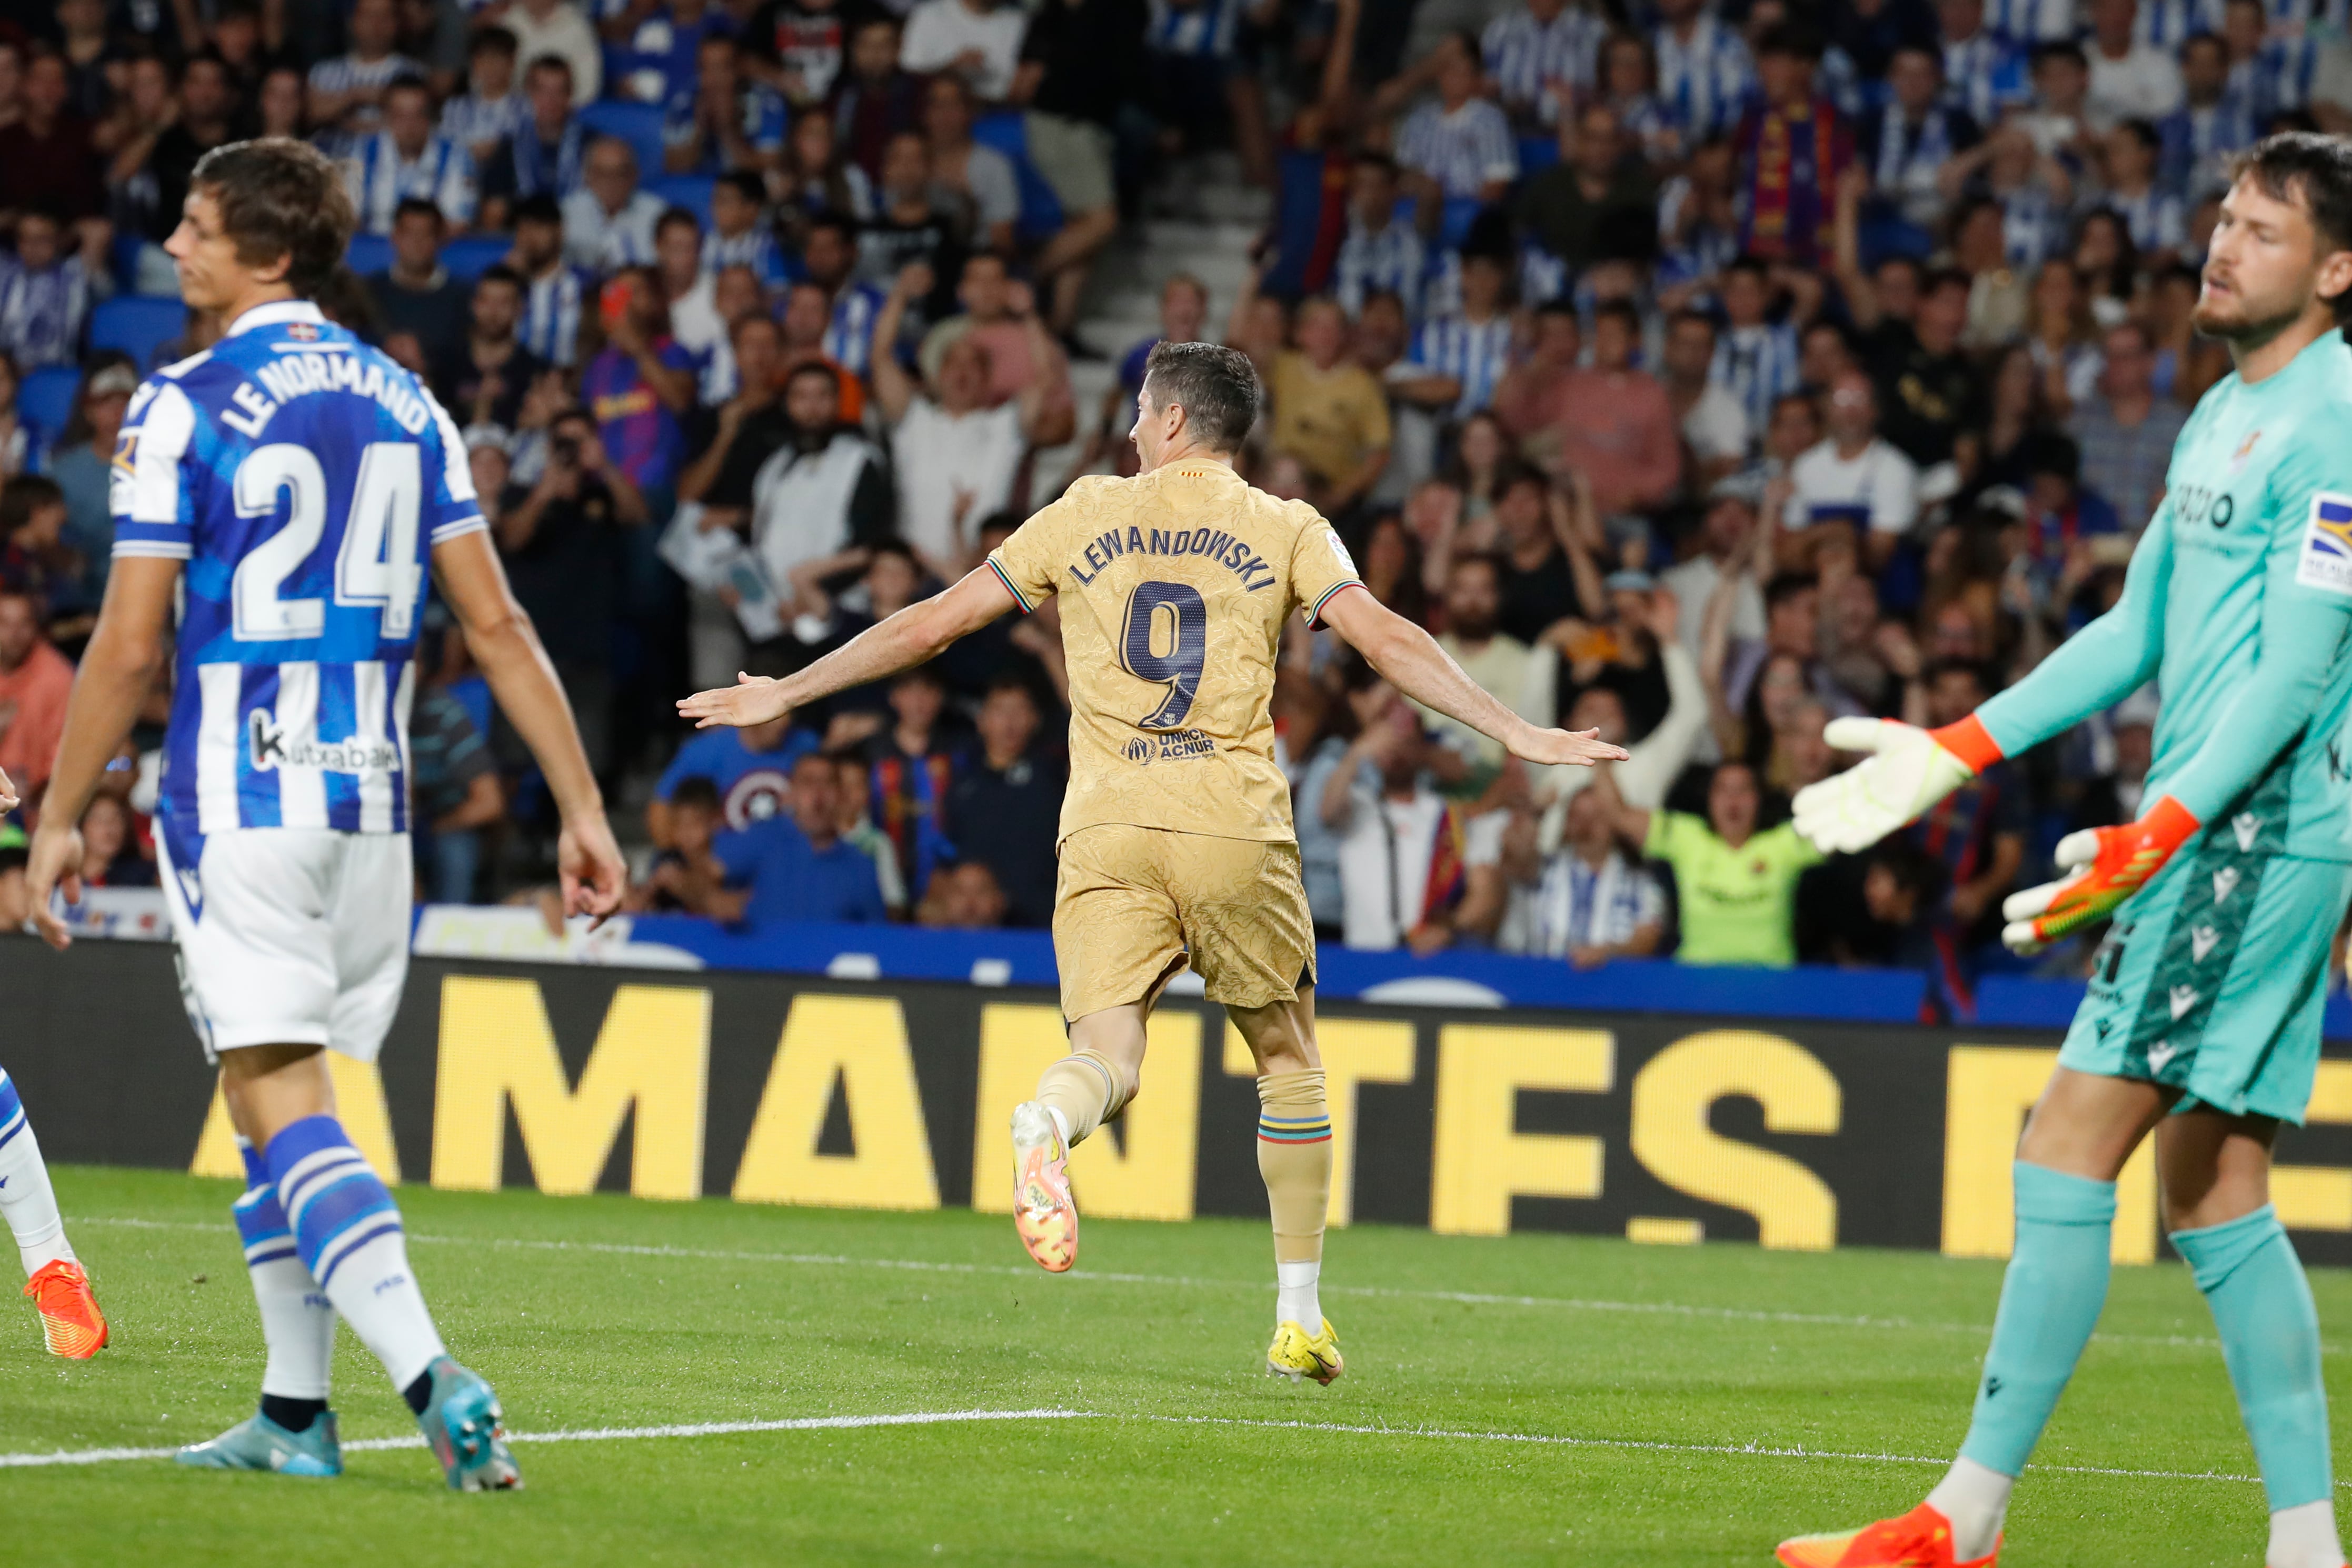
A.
x: 951, y: 1417
x: 1183, y: 1281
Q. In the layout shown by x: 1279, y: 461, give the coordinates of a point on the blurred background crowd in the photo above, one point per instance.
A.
x: 1699, y: 371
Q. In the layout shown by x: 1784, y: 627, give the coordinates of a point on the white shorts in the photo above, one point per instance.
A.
x: 293, y: 936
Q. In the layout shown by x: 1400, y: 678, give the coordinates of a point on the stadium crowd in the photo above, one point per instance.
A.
x: 1696, y: 373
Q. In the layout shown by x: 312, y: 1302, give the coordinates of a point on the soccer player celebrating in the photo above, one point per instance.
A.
x: 1176, y: 842
x: 2202, y: 1021
x: 296, y: 485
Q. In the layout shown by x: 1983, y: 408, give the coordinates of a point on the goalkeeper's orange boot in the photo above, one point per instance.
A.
x: 1044, y: 1212
x: 1920, y: 1539
x: 70, y: 1319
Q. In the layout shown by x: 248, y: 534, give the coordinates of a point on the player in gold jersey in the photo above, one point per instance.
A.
x: 1177, y: 848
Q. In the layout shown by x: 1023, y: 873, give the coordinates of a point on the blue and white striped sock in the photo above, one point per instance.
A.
x: 347, y: 1229
x: 298, y: 1322
x: 25, y: 1196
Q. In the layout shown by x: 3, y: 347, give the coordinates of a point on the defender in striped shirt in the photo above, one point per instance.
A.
x: 293, y: 486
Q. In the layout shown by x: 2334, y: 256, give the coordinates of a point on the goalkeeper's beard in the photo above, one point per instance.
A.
x: 2239, y: 327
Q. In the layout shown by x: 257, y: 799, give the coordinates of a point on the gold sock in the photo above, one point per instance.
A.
x: 1087, y: 1088
x: 1294, y: 1156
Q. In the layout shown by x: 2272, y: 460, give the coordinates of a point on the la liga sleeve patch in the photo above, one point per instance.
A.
x: 2325, y: 561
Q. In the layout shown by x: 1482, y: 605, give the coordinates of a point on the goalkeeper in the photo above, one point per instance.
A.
x: 2202, y: 1021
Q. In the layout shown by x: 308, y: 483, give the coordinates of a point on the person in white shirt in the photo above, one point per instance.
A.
x: 2129, y: 80
x: 1714, y: 425
x: 978, y: 40
x: 608, y: 223
x: 1727, y: 543
x: 1853, y: 478
x: 694, y: 319
x: 956, y: 457
x: 555, y: 27
x: 406, y: 159
x: 1415, y: 871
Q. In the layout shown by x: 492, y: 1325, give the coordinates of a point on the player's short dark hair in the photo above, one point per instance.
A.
x: 1216, y: 386
x: 279, y: 197
x: 23, y: 496
x: 2314, y: 171
x: 696, y: 791
x: 493, y: 40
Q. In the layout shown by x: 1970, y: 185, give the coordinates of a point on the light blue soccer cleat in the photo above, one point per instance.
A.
x: 461, y: 1424
x: 258, y: 1443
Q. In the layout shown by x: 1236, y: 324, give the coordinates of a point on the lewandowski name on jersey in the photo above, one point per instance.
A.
x: 304, y: 477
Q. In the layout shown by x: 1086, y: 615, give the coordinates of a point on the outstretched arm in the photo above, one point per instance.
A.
x: 1410, y: 660
x: 915, y: 635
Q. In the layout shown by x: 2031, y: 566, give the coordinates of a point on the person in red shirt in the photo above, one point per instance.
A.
x: 1616, y: 424
x: 34, y: 681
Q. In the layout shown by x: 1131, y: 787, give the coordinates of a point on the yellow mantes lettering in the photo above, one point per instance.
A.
x: 1143, y: 1165
x: 2318, y: 1197
x: 1987, y: 1092
x: 860, y: 1043
x: 1354, y: 1051
x: 359, y: 1105
x: 653, y: 1053
x: 1480, y: 1160
x: 1671, y: 1096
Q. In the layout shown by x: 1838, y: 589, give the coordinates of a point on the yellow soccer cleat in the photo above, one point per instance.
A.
x: 1920, y: 1539
x: 1296, y: 1354
x: 70, y: 1321
x: 1044, y: 1212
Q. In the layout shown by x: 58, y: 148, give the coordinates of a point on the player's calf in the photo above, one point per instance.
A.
x: 71, y: 1324
x: 1294, y: 1159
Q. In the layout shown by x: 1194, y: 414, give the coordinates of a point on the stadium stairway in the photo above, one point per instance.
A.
x: 1199, y: 218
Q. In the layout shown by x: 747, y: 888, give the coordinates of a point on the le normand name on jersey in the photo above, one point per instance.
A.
x: 290, y: 376
x: 1216, y: 544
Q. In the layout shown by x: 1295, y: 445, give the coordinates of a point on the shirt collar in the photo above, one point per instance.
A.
x: 276, y: 313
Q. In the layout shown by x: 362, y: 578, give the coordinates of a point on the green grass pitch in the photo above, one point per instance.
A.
x: 1668, y: 1367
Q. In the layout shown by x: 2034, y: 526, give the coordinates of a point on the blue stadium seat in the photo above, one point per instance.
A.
x: 638, y: 124
x: 469, y: 256
x: 45, y: 403
x: 137, y: 325
x: 369, y: 254
x: 691, y: 192
x: 122, y: 258
x: 1537, y: 153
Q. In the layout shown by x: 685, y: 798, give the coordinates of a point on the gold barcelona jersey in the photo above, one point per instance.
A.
x: 1174, y: 585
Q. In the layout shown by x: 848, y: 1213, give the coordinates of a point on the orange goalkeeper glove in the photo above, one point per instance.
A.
x: 2115, y: 863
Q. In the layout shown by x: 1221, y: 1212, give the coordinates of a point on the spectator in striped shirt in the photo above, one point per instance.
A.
x: 738, y: 237
x: 1984, y: 73
x: 1382, y: 251
x: 2151, y: 214
x: 1540, y: 55
x: 1756, y: 359
x: 2211, y: 125
x: 1461, y: 354
x: 1705, y: 75
x: 2030, y: 24
x: 552, y: 290
x: 346, y: 93
x: 1460, y: 147
x: 545, y: 157
x: 720, y: 120
x: 45, y: 294
x: 406, y: 159
x: 829, y: 260
x: 2270, y: 70
x: 490, y: 110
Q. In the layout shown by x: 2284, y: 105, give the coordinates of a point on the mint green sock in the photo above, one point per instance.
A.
x: 2270, y: 1336
x: 2050, y: 1300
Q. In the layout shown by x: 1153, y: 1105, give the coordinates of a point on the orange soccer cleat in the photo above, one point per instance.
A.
x: 1920, y: 1539
x: 1044, y: 1212
x: 70, y: 1319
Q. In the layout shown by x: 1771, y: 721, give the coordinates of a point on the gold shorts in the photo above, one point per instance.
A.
x: 1135, y: 906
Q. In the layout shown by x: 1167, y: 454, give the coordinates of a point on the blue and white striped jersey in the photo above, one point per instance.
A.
x: 380, y: 179
x: 551, y: 315
x: 305, y: 478
x: 2166, y: 24
x: 849, y: 339
x: 2199, y: 140
x: 1391, y: 258
x: 1986, y: 76
x: 1464, y: 149
x: 1704, y: 80
x: 2026, y: 23
x: 2153, y: 216
x: 470, y: 121
x: 1525, y: 57
x: 2277, y: 80
x: 1475, y: 353
x: 1756, y: 364
x: 42, y: 313
x: 755, y: 247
